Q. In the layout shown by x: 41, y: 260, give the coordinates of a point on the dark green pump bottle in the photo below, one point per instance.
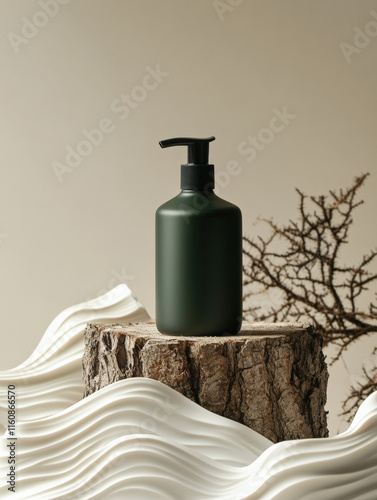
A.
x: 198, y: 253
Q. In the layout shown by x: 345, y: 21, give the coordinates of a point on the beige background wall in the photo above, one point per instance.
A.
x: 224, y: 68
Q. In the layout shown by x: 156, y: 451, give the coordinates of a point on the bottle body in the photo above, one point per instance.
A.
x: 198, y: 265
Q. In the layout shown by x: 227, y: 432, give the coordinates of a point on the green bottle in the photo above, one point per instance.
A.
x: 198, y: 253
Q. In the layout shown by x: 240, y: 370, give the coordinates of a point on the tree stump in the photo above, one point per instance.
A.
x: 270, y: 377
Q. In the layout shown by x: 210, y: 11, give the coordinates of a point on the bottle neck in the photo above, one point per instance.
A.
x: 197, y: 177
x: 202, y: 193
x: 197, y: 190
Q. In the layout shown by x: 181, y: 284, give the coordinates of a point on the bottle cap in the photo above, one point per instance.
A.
x: 197, y: 173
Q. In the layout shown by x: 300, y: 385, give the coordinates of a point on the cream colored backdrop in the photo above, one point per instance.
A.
x: 77, y: 217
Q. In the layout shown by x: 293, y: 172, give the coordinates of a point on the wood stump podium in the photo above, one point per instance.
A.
x: 270, y: 377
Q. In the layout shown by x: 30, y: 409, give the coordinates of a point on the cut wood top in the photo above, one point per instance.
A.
x: 248, y: 329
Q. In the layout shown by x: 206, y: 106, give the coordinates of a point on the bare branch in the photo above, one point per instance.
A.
x: 301, y: 261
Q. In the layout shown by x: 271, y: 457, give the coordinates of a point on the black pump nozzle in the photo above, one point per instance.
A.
x: 197, y: 173
x: 197, y: 148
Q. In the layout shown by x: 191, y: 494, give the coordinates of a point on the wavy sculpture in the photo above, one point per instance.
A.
x: 50, y: 379
x: 139, y: 439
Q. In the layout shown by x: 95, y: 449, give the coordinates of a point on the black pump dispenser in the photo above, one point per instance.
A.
x: 197, y: 174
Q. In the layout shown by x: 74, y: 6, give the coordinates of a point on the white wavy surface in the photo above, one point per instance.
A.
x: 139, y: 439
x: 50, y: 380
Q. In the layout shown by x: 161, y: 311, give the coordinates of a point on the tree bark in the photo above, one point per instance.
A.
x: 270, y: 377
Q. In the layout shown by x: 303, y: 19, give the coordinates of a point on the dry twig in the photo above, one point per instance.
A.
x: 302, y: 261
